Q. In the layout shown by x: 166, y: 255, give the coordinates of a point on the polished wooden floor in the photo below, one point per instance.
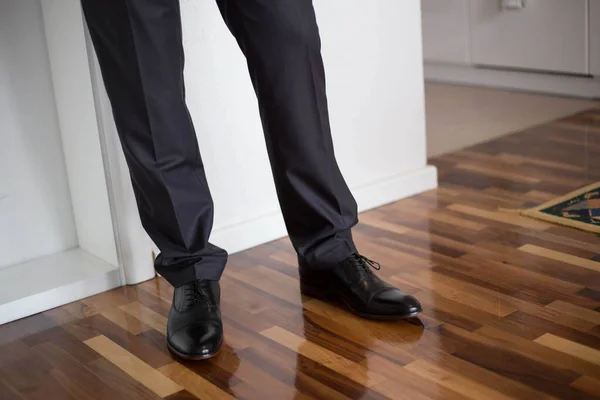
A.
x: 512, y: 305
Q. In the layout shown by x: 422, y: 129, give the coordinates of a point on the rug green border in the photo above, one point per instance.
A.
x: 537, y: 214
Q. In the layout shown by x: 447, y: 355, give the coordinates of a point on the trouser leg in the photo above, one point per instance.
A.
x: 281, y: 42
x: 139, y: 48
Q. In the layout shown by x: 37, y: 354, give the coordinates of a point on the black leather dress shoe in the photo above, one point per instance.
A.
x: 194, y: 328
x: 353, y: 284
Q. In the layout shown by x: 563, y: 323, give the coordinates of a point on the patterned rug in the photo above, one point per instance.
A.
x: 579, y: 209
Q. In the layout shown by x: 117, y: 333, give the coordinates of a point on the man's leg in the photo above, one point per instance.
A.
x: 139, y: 47
x: 281, y: 42
x: 280, y: 39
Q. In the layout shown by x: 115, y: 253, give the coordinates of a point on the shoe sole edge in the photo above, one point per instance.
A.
x: 317, y: 293
x: 194, y: 358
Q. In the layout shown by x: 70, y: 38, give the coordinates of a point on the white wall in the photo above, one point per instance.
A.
x: 373, y: 60
x: 35, y: 207
x: 549, y: 46
x: 446, y: 31
x: 595, y: 37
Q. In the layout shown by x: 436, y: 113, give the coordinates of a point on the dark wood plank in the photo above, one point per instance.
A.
x: 127, y: 387
x: 183, y: 395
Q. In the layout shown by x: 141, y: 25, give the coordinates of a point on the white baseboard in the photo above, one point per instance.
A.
x: 564, y: 85
x: 53, y: 281
x: 270, y: 227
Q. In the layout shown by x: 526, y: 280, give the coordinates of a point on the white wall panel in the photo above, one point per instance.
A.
x: 547, y: 35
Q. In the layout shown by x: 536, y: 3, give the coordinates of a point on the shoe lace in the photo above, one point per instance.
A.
x: 191, y: 295
x: 195, y: 293
x: 363, y: 265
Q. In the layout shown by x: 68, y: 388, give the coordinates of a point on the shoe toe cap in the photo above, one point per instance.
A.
x: 197, y: 340
x: 395, y: 302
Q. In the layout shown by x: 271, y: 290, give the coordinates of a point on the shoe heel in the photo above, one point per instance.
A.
x: 312, y: 290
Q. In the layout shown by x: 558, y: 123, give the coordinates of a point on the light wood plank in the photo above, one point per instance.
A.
x: 566, y: 346
x: 588, y: 384
x: 505, y: 217
x: 454, y: 381
x: 519, y: 159
x: 163, y: 291
x: 382, y: 338
x: 147, y: 316
x: 497, y: 173
x: 562, y: 257
x: 377, y: 221
x: 323, y: 356
x: 136, y: 368
x: 125, y: 321
x: 457, y: 291
x: 440, y: 215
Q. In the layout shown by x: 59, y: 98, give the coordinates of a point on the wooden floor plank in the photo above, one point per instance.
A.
x: 128, y: 387
x: 504, y: 217
x: 558, y: 256
x: 576, y: 311
x: 125, y: 321
x: 146, y: 315
x: 380, y: 222
x: 569, y: 347
x: 502, y: 358
x: 465, y: 294
x: 8, y: 393
x: 454, y: 381
x: 193, y: 383
x: 139, y: 370
x: 307, y: 376
x: 588, y: 385
x: 511, y: 304
x: 539, y: 353
x: 272, y: 282
x: 323, y: 356
x: 496, y: 172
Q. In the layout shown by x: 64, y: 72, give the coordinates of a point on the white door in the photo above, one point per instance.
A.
x: 547, y: 35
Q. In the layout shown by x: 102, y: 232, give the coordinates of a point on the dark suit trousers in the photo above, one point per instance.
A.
x: 139, y: 47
